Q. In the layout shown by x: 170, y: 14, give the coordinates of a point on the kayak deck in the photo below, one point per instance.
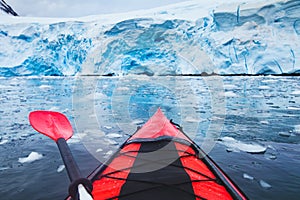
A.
x: 160, y: 162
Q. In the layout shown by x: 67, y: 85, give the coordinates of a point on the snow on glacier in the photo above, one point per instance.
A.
x: 195, y: 37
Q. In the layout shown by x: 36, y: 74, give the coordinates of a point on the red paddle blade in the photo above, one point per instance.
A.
x: 52, y: 124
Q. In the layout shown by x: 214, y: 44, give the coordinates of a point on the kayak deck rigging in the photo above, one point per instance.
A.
x: 171, y: 178
x: 160, y: 162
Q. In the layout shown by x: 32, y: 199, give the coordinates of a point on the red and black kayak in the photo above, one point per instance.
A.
x: 159, y: 161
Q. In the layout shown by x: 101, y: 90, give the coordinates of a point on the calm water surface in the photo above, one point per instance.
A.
x: 254, y: 111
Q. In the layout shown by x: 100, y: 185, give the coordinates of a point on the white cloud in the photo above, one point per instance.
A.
x: 78, y: 8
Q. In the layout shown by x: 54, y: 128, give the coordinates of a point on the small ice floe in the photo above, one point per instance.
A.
x: 264, y: 184
x: 45, y: 87
x: 54, y: 108
x: 271, y: 153
x: 270, y: 156
x: 114, y: 135
x: 4, y: 168
x: 247, y: 176
x: 73, y: 140
x: 235, y: 145
x: 3, y: 141
x: 33, y: 156
x: 264, y: 87
x: 107, y: 127
x: 122, y: 88
x: 216, y: 118
x: 293, y: 108
x: 60, y: 168
x: 99, y: 150
x: 137, y: 122
x: 110, y: 142
x: 297, y: 129
x: 264, y: 122
x: 230, y: 94
x: 285, y: 134
x: 108, y: 154
x: 269, y: 81
x: 230, y: 87
x: 296, y: 93
x: 76, y: 138
x: 26, y: 135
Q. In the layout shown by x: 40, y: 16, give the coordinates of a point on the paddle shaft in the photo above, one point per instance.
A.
x: 74, y: 173
x: 57, y: 126
x: 71, y: 166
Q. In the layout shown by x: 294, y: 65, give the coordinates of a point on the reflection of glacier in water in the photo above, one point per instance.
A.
x: 244, y: 39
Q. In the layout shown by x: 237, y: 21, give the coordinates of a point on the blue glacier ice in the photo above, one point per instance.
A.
x: 252, y: 37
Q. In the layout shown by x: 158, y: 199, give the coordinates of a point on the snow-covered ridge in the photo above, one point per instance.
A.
x: 255, y: 37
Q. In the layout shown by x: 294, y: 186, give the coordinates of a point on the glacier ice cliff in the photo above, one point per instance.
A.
x: 241, y: 39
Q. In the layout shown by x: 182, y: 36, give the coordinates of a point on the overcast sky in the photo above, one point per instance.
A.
x: 78, y: 8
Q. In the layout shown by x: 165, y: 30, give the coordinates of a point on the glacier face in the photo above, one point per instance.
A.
x: 243, y: 39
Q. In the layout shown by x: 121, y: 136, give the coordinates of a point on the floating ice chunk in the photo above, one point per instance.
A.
x: 264, y: 87
x: 33, y: 156
x: 123, y: 88
x: 45, y: 87
x: 76, y: 138
x: 26, y: 135
x: 235, y: 145
x: 269, y: 81
x: 264, y: 184
x: 111, y: 142
x: 60, y: 168
x: 3, y: 141
x: 293, y: 108
x: 285, y: 134
x: 296, y: 93
x: 230, y: 87
x: 108, y: 154
x: 55, y: 108
x: 247, y: 176
x: 264, y: 122
x: 230, y: 94
x: 4, y: 168
x: 270, y: 156
x: 73, y: 140
x: 137, y: 122
x: 297, y: 129
x: 107, y: 127
x: 114, y: 135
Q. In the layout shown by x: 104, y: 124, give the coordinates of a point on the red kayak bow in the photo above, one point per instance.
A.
x: 159, y: 161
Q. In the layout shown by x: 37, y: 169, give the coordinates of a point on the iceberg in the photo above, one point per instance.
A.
x: 33, y: 156
x: 235, y: 145
x: 188, y: 38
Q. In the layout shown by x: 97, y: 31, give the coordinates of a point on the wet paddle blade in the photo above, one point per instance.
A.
x: 52, y: 124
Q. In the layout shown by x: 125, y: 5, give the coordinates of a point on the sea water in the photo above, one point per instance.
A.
x: 248, y: 125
